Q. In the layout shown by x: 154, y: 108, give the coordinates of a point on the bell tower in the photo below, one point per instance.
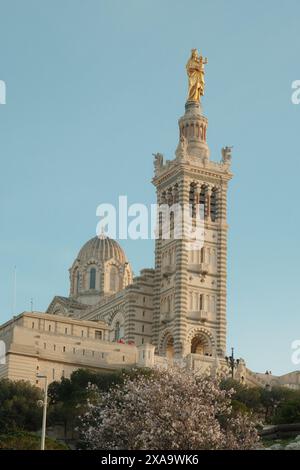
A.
x: 190, y: 277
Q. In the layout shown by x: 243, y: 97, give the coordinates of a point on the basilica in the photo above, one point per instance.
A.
x: 172, y: 313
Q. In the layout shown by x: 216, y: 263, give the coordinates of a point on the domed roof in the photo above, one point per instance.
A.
x: 102, y: 249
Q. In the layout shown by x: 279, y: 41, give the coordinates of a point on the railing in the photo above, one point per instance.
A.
x: 199, y: 361
x: 165, y: 317
x: 168, y: 270
x: 199, y: 268
x: 198, y: 315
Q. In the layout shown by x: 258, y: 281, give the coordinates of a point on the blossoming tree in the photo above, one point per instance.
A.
x: 168, y: 409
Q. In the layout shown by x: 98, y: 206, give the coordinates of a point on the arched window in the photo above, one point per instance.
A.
x: 117, y: 331
x: 93, y: 278
x: 114, y: 277
x: 192, y: 200
x: 172, y: 224
x: 77, y: 282
x: 213, y: 205
x: 202, y: 202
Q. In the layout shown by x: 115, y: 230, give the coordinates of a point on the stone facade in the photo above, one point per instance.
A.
x: 56, y: 346
x: 190, y: 283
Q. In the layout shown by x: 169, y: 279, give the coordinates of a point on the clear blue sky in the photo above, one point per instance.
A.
x: 95, y: 87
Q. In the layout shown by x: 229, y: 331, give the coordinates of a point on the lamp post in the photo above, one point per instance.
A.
x: 232, y: 362
x: 44, y: 404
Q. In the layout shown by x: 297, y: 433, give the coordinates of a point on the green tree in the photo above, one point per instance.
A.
x: 273, y: 405
x: 247, y: 399
x: 18, y: 406
x: 272, y: 398
x: 69, y: 397
x: 288, y: 411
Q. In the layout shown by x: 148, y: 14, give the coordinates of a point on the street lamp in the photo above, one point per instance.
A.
x: 232, y: 362
x: 44, y: 404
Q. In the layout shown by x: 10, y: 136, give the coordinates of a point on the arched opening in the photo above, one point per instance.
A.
x: 172, y: 225
x: 170, y: 348
x: 201, y: 344
x: 117, y: 331
x: 192, y: 201
x: 117, y: 328
x: 213, y: 205
x: 92, y: 278
x: 202, y: 203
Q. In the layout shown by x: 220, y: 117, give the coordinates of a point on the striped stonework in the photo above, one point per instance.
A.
x: 189, y: 298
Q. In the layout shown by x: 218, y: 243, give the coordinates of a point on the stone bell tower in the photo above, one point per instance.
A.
x: 190, y: 280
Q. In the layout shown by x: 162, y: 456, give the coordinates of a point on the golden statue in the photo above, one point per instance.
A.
x: 195, y: 71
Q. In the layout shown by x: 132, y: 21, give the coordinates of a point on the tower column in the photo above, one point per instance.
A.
x: 181, y: 278
x: 222, y: 270
x: 207, y: 197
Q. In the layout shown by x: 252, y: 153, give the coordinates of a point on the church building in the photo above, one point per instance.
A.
x: 172, y: 313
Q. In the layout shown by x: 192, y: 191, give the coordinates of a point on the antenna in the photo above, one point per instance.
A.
x: 31, y: 304
x: 14, y: 303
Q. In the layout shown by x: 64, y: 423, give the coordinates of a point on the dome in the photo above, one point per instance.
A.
x: 100, y: 269
x: 102, y: 249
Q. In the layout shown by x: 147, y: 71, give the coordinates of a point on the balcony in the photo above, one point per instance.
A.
x: 167, y: 270
x: 199, y: 315
x: 200, y: 268
x: 165, y: 317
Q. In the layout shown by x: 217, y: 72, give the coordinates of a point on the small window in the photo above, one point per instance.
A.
x: 45, y: 345
x: 202, y: 255
x: 53, y: 374
x: 98, y: 334
x: 142, y: 340
x: 54, y: 347
x: 66, y: 331
x: 49, y: 327
x: 63, y: 374
x: 93, y: 353
x: 143, y: 328
x: 82, y: 332
x: 83, y: 352
x: 32, y: 325
x: 77, y: 282
x: 74, y: 351
x: 123, y: 358
x: 64, y: 348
